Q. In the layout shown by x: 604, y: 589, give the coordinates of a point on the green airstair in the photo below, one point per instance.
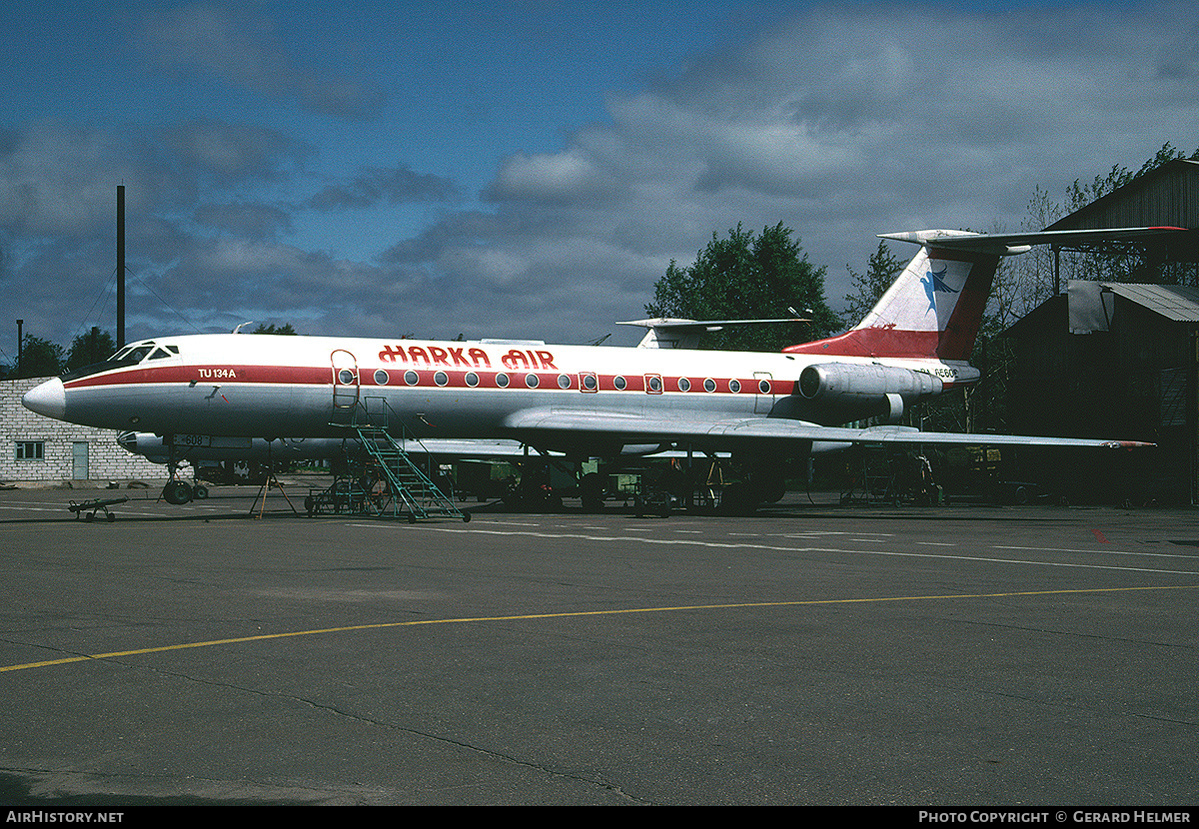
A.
x: 382, y: 479
x: 410, y: 491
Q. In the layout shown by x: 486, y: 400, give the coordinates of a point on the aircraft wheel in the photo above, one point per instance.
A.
x: 466, y: 518
x: 177, y: 493
x: 91, y: 516
x: 111, y: 518
x: 200, y: 492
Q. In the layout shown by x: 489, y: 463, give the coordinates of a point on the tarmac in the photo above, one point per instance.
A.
x: 812, y: 654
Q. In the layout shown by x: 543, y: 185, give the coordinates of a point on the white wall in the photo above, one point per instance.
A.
x: 107, y: 461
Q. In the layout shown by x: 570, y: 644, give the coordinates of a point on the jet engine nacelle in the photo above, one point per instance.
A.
x: 853, y: 392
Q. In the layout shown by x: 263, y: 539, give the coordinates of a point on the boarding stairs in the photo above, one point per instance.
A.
x: 410, y: 491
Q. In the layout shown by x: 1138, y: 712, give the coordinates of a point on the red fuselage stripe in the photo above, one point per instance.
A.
x: 425, y: 378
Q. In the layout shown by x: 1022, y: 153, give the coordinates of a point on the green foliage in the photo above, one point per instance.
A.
x: 881, y: 271
x: 286, y: 329
x: 86, y: 349
x: 748, y: 277
x: 39, y: 358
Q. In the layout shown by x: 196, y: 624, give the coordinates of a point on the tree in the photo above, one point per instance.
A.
x: 89, y: 348
x: 286, y: 328
x: 39, y: 358
x: 748, y: 277
x: 881, y: 271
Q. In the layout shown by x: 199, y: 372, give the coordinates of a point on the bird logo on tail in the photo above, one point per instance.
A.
x: 934, y: 282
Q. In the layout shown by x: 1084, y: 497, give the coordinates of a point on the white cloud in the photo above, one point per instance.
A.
x: 563, y: 178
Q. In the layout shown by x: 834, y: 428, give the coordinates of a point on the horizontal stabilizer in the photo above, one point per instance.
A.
x: 1008, y: 244
x: 665, y: 332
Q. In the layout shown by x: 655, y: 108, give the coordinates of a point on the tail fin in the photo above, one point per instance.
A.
x: 933, y: 310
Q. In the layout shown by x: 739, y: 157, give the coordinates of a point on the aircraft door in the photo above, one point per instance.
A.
x: 345, y: 385
x: 764, y: 397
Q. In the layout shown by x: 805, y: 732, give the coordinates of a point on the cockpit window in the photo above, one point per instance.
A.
x: 130, y: 355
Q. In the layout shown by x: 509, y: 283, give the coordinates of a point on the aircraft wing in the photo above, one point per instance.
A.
x: 558, y: 427
x: 478, y: 450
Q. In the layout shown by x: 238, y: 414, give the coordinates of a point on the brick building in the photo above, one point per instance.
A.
x: 45, y: 451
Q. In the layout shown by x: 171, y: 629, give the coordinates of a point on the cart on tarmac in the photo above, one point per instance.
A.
x: 95, y: 505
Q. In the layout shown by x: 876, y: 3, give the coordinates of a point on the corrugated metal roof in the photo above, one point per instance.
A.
x: 1179, y: 303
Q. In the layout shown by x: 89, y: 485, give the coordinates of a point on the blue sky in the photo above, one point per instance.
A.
x: 530, y: 168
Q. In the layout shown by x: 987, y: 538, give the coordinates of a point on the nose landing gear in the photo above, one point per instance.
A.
x: 179, y: 492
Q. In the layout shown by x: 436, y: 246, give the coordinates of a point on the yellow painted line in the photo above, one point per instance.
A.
x: 580, y: 613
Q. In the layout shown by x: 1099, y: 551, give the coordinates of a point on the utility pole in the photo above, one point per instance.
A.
x: 20, y: 340
x: 120, y: 265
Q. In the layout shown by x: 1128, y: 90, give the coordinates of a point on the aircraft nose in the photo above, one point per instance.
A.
x: 49, y: 399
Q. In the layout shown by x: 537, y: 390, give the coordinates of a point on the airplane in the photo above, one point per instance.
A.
x: 587, y: 401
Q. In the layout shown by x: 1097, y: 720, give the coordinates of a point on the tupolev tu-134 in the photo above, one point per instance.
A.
x: 586, y: 401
